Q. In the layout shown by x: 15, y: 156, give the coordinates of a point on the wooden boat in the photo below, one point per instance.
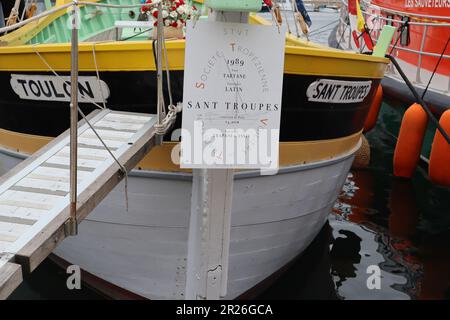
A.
x: 326, y: 97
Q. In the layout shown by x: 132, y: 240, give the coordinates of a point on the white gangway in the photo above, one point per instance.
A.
x: 44, y: 198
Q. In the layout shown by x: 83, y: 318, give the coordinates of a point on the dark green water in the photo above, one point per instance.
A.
x: 400, y: 226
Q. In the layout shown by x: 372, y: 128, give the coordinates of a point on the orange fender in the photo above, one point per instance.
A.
x: 439, y: 167
x: 410, y: 139
x: 374, y: 110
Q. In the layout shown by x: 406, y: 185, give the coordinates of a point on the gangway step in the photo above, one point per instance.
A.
x: 34, y: 196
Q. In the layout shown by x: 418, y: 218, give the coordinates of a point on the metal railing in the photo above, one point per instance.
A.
x: 416, y: 21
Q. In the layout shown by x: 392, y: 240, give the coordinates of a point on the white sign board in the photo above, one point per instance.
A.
x: 233, y: 82
x: 53, y: 88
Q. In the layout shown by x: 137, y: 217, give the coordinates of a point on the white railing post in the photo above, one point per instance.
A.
x: 419, y: 62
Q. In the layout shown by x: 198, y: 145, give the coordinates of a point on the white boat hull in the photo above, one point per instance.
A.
x: 274, y: 218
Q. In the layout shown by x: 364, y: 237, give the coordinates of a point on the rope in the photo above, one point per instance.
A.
x: 274, y: 18
x: 133, y: 36
x: 286, y: 18
x: 166, y: 60
x: 98, y: 75
x: 60, y: 78
x: 169, y: 119
x: 163, y: 103
x: 171, y: 115
x: 422, y: 103
x: 300, y: 20
x: 122, y: 168
x: 342, y: 37
x: 327, y: 25
x: 124, y: 171
x: 435, y: 68
x: 24, y: 10
x: 293, y: 6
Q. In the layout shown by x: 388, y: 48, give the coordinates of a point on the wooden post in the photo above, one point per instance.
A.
x: 210, y: 220
x: 209, y: 234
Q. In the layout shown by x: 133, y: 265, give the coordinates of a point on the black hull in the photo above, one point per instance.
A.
x: 301, y: 120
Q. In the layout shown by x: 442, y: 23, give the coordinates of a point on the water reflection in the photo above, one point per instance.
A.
x: 345, y: 256
x: 401, y: 226
x: 383, y: 212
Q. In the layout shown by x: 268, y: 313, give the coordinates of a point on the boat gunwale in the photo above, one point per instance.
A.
x: 239, y: 174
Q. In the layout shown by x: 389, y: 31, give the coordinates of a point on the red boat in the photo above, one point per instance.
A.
x: 420, y: 45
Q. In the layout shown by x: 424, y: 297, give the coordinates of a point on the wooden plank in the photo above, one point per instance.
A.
x: 10, y: 279
x: 19, y: 220
x: 31, y: 197
x: 12, y: 229
x: 45, y: 184
x: 4, y: 245
x: 42, y: 151
x: 22, y: 212
x: 88, y: 163
x: 66, y: 166
x: 53, y: 233
x: 39, y: 190
x: 112, y: 125
x: 85, y: 153
x: 4, y: 237
x: 56, y: 174
x: 94, y: 141
x: 125, y: 117
x: 108, y: 135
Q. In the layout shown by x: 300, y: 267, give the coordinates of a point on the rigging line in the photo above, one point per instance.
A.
x: 98, y: 75
x: 24, y: 10
x: 122, y: 168
x: 422, y: 103
x: 286, y: 18
x: 169, y: 85
x: 155, y: 57
x: 60, y: 78
x: 274, y: 18
x: 342, y: 37
x: 322, y: 27
x: 134, y: 35
x: 95, y: 132
x: 293, y: 6
x: 320, y: 32
x: 435, y: 68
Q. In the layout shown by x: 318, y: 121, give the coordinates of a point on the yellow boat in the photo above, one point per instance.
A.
x: 327, y: 94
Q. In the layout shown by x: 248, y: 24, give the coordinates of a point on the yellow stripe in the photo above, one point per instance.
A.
x: 302, y: 57
x: 134, y: 56
x: 159, y: 158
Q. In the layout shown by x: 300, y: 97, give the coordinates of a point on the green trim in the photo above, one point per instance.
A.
x: 94, y: 21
